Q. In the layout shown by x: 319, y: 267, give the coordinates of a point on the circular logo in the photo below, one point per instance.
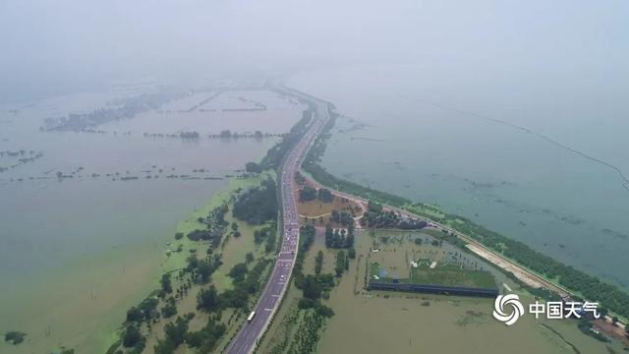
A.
x: 502, y: 303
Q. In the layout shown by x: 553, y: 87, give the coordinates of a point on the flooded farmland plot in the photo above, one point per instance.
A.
x: 416, y: 323
x: 398, y: 322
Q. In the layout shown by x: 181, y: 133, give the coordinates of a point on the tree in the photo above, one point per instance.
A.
x: 134, y: 314
x: 325, y: 195
x: 253, y: 167
x: 329, y: 236
x: 374, y: 207
x: 351, y: 253
x: 311, y: 288
x: 340, y: 263
x: 164, y: 347
x: 249, y: 257
x: 193, y: 262
x: 335, y: 216
x: 238, y: 272
x: 205, y: 270
x: 166, y: 284
x: 207, y: 299
x: 169, y: 310
x: 257, y: 205
x: 176, y: 332
x: 323, y: 310
x: 307, y: 194
x: 14, y: 337
x: 132, y: 337
x: 319, y: 263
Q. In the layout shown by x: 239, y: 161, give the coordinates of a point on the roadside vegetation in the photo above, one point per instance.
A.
x: 307, y: 304
x: 202, y: 303
x: 205, y: 299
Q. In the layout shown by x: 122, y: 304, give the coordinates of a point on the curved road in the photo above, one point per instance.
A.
x: 246, y: 339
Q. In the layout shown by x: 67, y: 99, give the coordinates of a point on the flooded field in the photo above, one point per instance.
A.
x: 418, y: 258
x: 85, y: 225
x: 212, y: 112
x: 380, y: 322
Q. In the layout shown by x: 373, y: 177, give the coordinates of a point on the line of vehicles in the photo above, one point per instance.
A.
x: 258, y: 319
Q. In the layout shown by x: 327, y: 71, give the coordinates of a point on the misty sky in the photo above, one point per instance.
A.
x: 56, y: 46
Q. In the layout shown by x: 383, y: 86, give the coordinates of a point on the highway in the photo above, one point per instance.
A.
x: 246, y: 339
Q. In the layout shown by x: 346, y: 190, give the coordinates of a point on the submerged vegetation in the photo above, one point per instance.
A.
x: 127, y: 109
x: 14, y: 337
x: 165, y: 308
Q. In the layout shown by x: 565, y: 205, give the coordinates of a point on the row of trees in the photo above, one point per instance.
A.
x: 246, y: 283
x: 177, y: 333
x: 376, y: 217
x: 342, y: 217
x: 267, y: 234
x: 339, y: 238
x: 252, y: 167
x: 309, y: 193
x: 313, y: 286
x: 275, y: 155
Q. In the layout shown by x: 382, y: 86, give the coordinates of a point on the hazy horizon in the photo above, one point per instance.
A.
x: 68, y: 46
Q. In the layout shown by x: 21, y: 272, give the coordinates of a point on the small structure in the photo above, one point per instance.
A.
x: 434, y: 289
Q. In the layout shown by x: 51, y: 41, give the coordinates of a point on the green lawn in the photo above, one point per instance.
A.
x: 445, y: 274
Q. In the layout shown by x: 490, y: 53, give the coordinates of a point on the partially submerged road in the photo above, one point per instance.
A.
x: 246, y: 339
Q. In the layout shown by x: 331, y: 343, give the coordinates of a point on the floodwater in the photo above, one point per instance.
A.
x: 76, y: 253
x: 381, y: 322
x: 537, y: 161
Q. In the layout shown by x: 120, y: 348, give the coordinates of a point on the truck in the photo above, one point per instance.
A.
x: 251, y: 316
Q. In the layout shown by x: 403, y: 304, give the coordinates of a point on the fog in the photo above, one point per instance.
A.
x: 53, y: 47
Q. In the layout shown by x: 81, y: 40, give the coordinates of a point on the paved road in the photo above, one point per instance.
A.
x: 246, y: 339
